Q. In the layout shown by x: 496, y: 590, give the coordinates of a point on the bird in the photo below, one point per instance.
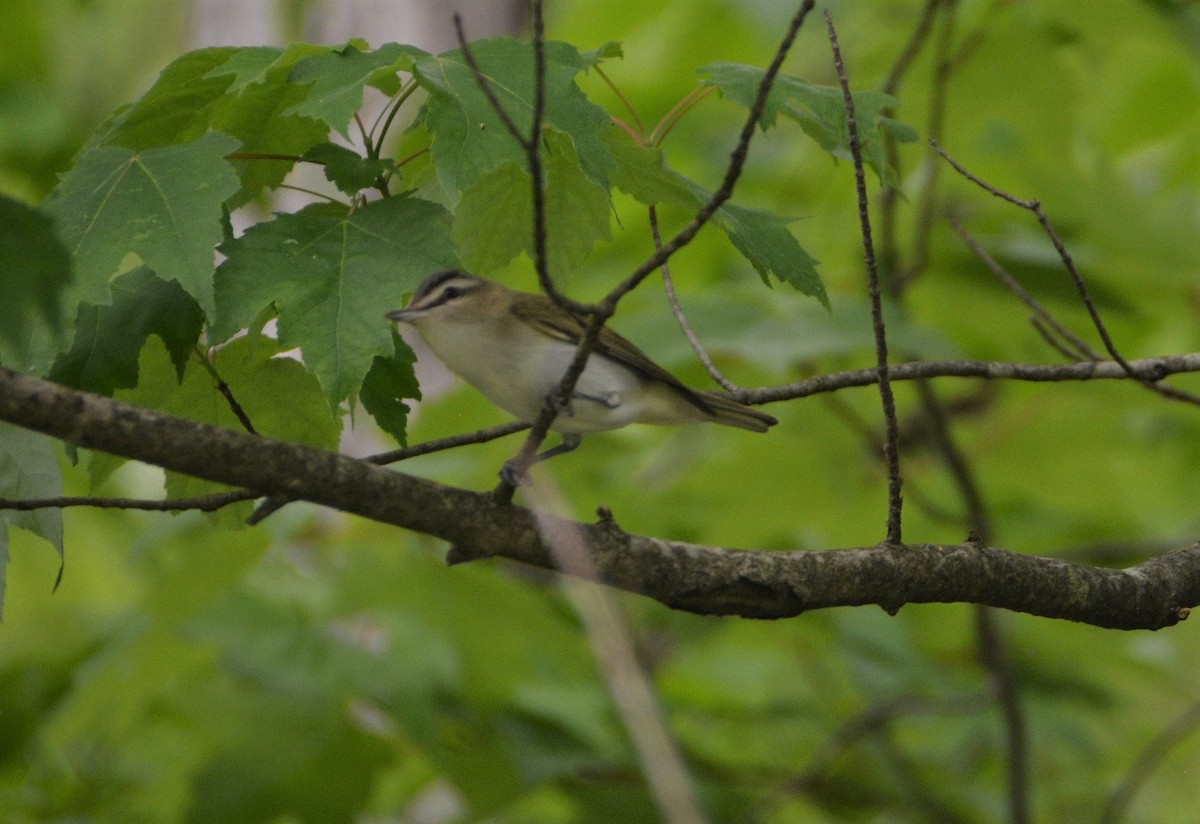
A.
x: 515, y: 347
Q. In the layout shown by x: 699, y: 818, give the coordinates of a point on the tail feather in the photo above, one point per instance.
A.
x: 731, y: 413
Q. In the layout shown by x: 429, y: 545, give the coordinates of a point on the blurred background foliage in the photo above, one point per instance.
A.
x: 321, y: 668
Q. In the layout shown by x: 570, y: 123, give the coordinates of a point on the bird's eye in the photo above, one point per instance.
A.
x: 450, y: 293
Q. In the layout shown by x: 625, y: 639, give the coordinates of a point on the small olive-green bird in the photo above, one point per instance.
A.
x: 515, y: 347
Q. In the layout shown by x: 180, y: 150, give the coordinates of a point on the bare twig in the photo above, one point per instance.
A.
x: 1053, y: 340
x: 1035, y: 206
x: 532, y: 146
x: 203, y: 503
x: 1073, y: 343
x: 681, y: 318
x: 1148, y: 369
x: 912, y: 48
x: 451, y: 442
x: 994, y: 656
x: 891, y: 442
x: 889, y: 253
x: 485, y: 85
x: 927, y: 206
x: 226, y: 392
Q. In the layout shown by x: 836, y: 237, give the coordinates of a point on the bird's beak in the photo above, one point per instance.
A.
x: 400, y: 315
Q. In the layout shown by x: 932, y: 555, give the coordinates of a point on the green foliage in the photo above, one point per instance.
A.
x: 759, y: 235
x: 37, y: 270
x: 320, y: 668
x: 469, y: 138
x: 331, y: 273
x: 161, y: 204
x: 109, y: 337
x: 28, y: 469
x: 389, y: 379
x: 819, y: 110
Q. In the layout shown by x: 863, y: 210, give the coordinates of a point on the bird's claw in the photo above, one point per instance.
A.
x: 514, y: 475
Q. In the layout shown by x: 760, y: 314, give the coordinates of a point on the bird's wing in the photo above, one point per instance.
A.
x: 546, y: 315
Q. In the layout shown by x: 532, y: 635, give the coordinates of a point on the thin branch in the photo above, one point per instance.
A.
x: 1076, y: 343
x: 994, y: 656
x: 681, y: 318
x: 203, y: 503
x: 531, y: 144
x: 451, y: 442
x: 926, y: 210
x: 737, y: 161
x: 916, y: 42
x: 889, y: 253
x: 226, y: 392
x: 1035, y: 206
x: 891, y: 445
x: 1053, y: 340
x: 485, y: 85
x: 1147, y: 369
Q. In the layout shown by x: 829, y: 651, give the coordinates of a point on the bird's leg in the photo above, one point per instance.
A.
x: 516, y: 476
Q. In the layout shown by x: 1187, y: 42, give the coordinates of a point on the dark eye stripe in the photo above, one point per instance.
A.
x: 435, y: 290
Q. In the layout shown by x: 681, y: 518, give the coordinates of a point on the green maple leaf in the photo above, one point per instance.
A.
x: 173, y: 109
x: 819, y: 110
x: 335, y: 80
x: 494, y: 222
x: 331, y: 275
x: 253, y: 65
x: 163, y: 205
x: 109, y: 338
x: 35, y: 270
x: 243, y: 92
x: 347, y: 169
x: 277, y: 394
x: 389, y: 380
x: 28, y: 470
x: 761, y: 236
x: 469, y: 139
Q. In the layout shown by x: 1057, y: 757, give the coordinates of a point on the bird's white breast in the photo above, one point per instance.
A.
x: 518, y: 367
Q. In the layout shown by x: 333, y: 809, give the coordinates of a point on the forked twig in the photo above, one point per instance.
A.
x: 1071, y: 344
x: 1035, y: 206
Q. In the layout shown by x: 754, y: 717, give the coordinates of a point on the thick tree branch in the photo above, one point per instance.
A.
x: 702, y: 579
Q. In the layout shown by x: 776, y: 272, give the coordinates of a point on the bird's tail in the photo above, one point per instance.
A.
x: 731, y: 413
